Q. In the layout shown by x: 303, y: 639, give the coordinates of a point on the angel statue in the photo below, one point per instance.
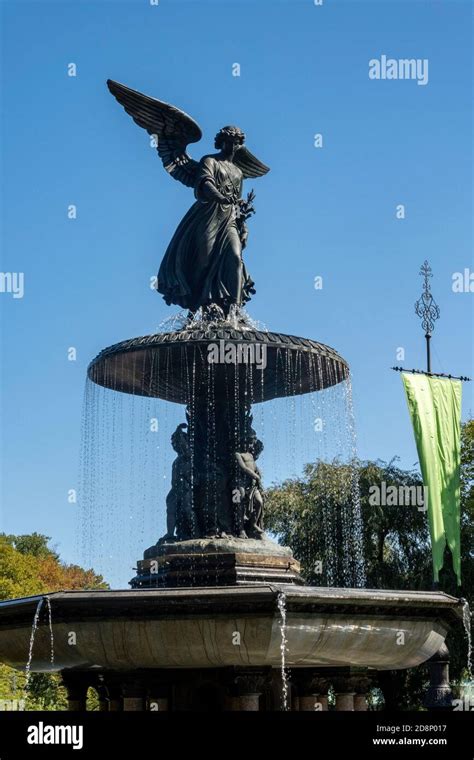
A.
x: 203, y: 263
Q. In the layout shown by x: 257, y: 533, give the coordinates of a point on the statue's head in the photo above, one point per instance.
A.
x: 256, y: 447
x: 179, y: 439
x: 231, y: 136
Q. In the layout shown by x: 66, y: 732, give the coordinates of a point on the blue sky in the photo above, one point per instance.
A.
x: 329, y: 212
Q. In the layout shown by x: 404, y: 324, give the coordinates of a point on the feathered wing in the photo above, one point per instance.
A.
x: 249, y: 165
x: 174, y: 129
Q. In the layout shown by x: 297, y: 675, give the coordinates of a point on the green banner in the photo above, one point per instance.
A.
x: 434, y: 404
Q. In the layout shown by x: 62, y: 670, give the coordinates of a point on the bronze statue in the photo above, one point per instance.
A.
x: 203, y: 263
x: 251, y: 502
x: 180, y: 522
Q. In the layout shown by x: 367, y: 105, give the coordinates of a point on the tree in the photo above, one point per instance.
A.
x: 18, y: 576
x: 28, y: 566
x: 34, y: 544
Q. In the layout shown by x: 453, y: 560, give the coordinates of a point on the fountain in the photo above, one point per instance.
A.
x: 217, y: 611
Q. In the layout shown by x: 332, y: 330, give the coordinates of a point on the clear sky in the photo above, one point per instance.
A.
x: 328, y: 212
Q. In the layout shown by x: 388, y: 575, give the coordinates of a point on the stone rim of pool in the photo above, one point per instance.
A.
x: 192, y: 628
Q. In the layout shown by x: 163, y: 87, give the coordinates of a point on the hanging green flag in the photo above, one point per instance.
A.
x: 434, y: 404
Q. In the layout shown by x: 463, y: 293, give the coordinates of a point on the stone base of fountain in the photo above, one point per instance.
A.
x: 226, y: 561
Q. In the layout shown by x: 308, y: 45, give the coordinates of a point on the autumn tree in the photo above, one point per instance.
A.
x: 29, y: 567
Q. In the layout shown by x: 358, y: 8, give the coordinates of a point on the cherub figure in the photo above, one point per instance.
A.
x: 251, y: 503
x: 180, y: 517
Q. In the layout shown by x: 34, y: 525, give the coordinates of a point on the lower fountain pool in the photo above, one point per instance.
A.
x: 195, y: 628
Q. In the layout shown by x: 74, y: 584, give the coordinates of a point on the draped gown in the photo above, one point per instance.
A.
x: 203, y: 262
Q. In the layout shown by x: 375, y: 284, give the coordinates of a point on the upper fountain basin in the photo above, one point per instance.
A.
x: 178, y: 366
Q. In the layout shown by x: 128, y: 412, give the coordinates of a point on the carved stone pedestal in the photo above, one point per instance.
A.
x: 225, y: 561
x: 439, y: 695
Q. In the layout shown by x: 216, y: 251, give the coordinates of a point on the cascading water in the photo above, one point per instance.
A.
x: 32, y: 643
x: 50, y: 624
x: 466, y: 617
x: 355, y: 533
x: 281, y: 602
x: 126, y: 461
x: 34, y: 628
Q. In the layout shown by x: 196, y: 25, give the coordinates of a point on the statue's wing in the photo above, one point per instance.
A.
x: 249, y: 165
x: 173, y: 128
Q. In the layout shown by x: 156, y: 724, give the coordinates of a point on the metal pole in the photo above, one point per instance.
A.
x: 428, y: 353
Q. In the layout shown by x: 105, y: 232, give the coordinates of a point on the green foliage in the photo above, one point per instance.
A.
x: 17, y: 573
x: 28, y: 566
x: 44, y: 691
x: 92, y: 700
x: 33, y: 544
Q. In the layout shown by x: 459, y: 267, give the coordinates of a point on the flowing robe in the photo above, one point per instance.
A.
x: 203, y: 262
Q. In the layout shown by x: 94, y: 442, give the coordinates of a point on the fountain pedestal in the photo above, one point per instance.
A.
x: 225, y: 561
